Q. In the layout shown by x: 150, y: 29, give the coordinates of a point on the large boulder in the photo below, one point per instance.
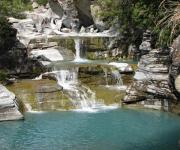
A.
x: 151, y: 85
x: 9, y: 107
x: 71, y: 10
x: 84, y: 12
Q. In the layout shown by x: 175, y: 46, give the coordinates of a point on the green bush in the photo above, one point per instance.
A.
x: 7, y: 36
x: 3, y: 75
x: 136, y: 15
x: 42, y: 2
x: 14, y: 7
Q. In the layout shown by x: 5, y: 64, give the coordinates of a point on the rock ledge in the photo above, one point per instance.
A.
x: 9, y: 108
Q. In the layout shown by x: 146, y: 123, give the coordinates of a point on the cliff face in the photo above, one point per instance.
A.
x: 156, y: 83
x: 9, y: 108
x: 73, y: 10
x: 151, y: 83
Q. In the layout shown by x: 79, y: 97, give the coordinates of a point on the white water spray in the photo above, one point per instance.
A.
x: 80, y: 53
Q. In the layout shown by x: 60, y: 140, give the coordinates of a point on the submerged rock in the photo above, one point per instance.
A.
x: 9, y: 107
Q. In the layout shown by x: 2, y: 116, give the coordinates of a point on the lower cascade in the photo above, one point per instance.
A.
x: 83, y: 98
x: 67, y: 71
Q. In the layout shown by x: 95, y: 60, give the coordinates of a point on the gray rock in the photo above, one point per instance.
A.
x: 151, y: 83
x: 9, y: 108
x: 49, y: 89
x: 35, y: 5
x: 176, y: 43
x: 175, y: 67
x: 145, y: 46
x: 71, y: 9
x: 66, y: 30
x: 83, y: 29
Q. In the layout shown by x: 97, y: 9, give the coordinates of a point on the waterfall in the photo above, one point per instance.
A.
x: 77, y: 42
x: 81, y: 96
x: 67, y: 78
x: 117, y: 76
x: 106, y: 76
x: 116, y: 82
x: 80, y: 53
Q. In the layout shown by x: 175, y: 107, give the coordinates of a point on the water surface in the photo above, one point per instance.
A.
x: 121, y: 129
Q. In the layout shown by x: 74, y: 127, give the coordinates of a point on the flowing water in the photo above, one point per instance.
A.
x: 80, y: 55
x: 100, y: 128
x: 83, y: 98
x: 111, y: 130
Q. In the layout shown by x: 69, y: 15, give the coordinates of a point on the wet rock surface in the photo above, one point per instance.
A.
x: 41, y: 95
x: 9, y: 107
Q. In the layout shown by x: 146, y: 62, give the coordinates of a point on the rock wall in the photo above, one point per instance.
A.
x: 151, y: 83
x: 175, y: 68
x: 73, y: 12
x: 157, y: 79
x: 9, y: 108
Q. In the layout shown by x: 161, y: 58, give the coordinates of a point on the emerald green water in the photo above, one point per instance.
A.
x: 121, y: 129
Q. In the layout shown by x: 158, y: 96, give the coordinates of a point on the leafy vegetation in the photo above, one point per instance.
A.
x: 171, y: 19
x: 7, y: 35
x: 7, y: 42
x: 42, y: 2
x: 136, y: 16
x: 3, y: 75
x: 14, y: 7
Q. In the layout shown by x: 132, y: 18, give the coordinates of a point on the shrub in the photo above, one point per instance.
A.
x: 7, y: 36
x: 42, y: 2
x: 14, y: 7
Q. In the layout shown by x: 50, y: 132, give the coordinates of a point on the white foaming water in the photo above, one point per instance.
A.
x: 38, y: 78
x: 116, y: 87
x: 78, y: 48
x: 124, y: 67
x: 80, y: 55
x: 29, y: 109
x: 115, y: 74
x: 82, y: 97
x: 85, y: 34
x: 67, y: 78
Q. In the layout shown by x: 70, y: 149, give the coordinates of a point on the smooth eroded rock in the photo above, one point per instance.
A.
x: 9, y: 107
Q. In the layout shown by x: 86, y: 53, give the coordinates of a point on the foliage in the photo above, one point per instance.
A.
x: 42, y: 2
x: 171, y: 19
x: 3, y: 75
x: 140, y: 15
x: 14, y: 7
x: 7, y: 35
